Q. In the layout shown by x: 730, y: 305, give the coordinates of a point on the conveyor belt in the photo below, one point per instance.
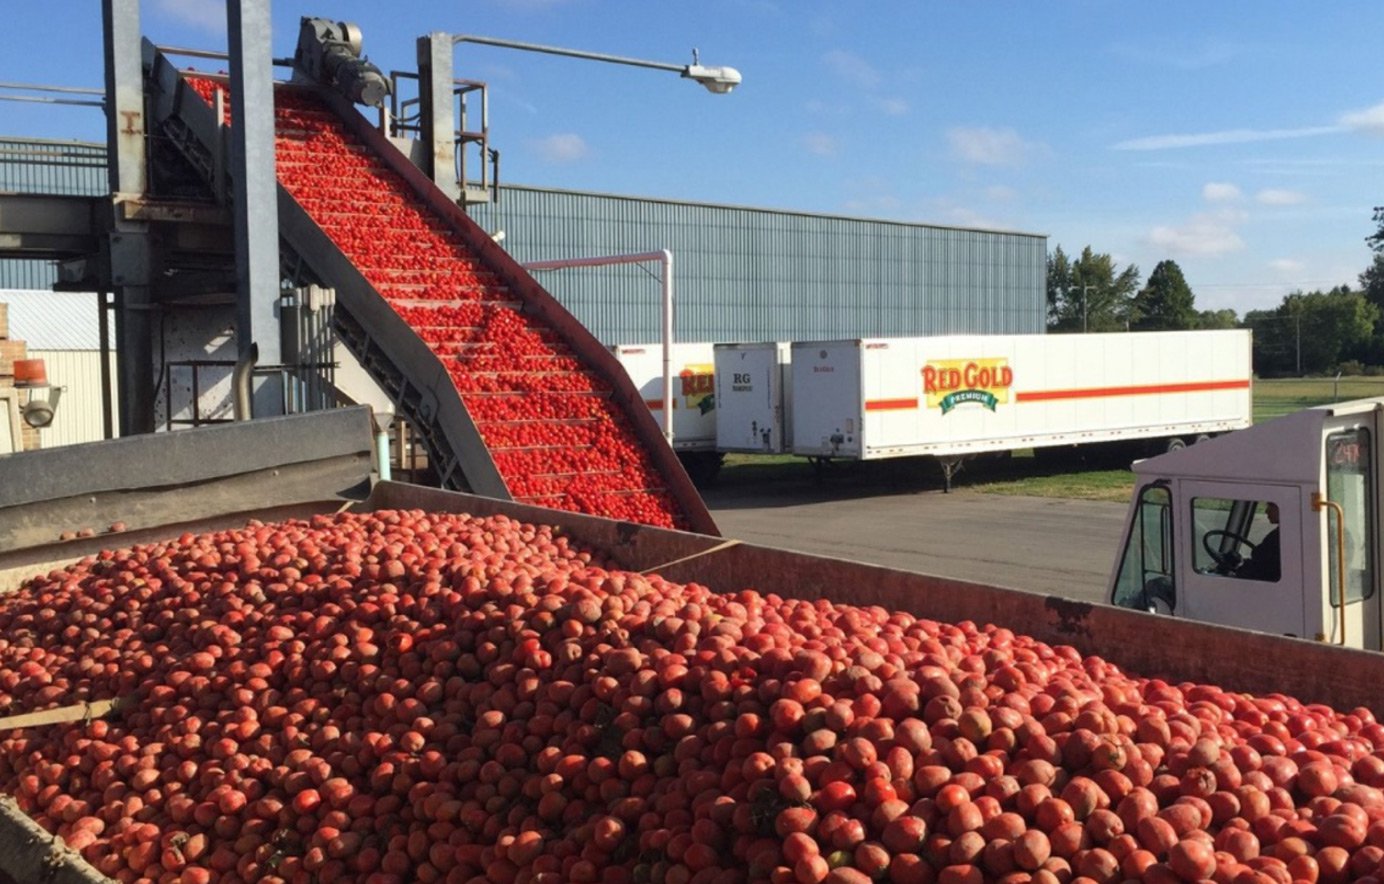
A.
x: 514, y: 397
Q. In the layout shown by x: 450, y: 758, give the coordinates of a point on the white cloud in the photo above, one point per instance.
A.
x: 566, y: 147
x: 984, y: 146
x: 1287, y: 266
x: 894, y: 107
x: 1370, y: 121
x: 881, y: 206
x: 948, y: 210
x: 1205, y: 234
x: 1220, y: 192
x: 1226, y: 136
x: 1278, y: 197
x: 962, y: 216
x: 852, y: 68
x: 1000, y: 193
x: 820, y: 144
x: 206, y: 15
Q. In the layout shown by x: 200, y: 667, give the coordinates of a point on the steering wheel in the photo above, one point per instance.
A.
x: 1229, y: 560
x: 1158, y: 596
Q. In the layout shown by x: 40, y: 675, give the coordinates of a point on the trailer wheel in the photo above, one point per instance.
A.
x: 702, y: 466
x: 1176, y: 443
x: 1201, y: 438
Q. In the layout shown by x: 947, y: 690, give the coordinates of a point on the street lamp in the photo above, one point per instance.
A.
x: 718, y: 80
x: 435, y: 91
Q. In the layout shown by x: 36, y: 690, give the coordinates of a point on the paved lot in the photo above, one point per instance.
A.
x: 1043, y: 545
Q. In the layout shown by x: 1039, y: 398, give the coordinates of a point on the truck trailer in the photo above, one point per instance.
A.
x: 754, y: 397
x: 692, y: 427
x: 954, y: 397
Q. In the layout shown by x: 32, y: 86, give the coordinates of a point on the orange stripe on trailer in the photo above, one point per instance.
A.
x: 1137, y: 390
x: 890, y: 404
x: 655, y: 403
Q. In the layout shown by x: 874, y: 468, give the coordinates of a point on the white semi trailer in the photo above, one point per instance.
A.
x: 754, y: 397
x: 958, y: 396
x: 693, y: 399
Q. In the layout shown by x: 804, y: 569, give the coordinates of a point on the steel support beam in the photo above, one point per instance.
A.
x: 256, y: 190
x: 127, y: 248
x: 435, y: 83
x: 40, y: 226
x: 125, y: 121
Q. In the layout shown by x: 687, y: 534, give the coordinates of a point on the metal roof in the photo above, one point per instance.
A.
x: 763, y: 210
x: 47, y: 320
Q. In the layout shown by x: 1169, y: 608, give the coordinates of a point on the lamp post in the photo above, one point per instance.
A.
x: 718, y: 80
x: 436, y: 84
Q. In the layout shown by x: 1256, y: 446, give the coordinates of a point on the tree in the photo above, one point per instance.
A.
x: 1166, y: 301
x: 1376, y: 240
x: 1059, y: 281
x: 1372, y: 281
x: 1225, y: 318
x: 1277, y: 341
x: 1313, y: 332
x: 1089, y: 294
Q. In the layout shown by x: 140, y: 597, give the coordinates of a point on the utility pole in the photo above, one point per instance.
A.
x: 1297, y: 321
x: 1084, y: 290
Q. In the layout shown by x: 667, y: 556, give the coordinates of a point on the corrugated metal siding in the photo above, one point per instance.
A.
x: 744, y: 274
x: 78, y: 417
x: 20, y: 274
x: 49, y: 320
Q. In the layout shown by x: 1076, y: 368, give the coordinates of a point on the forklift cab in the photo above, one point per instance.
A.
x: 1272, y: 528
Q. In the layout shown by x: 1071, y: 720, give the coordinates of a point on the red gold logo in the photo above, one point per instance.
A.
x: 948, y: 383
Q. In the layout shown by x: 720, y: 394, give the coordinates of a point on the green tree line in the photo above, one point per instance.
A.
x: 1308, y: 333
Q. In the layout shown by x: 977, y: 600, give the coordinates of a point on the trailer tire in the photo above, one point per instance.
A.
x: 1055, y: 457
x: 702, y: 466
x: 1175, y: 443
x: 1201, y: 438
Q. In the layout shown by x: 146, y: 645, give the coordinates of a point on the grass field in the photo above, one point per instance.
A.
x: 1023, y: 474
x: 1275, y: 398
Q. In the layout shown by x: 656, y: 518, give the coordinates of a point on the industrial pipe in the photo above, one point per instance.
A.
x: 382, y: 463
x: 667, y: 311
x: 240, y: 383
x: 665, y: 259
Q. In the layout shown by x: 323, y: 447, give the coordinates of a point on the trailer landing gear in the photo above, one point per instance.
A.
x: 821, y: 466
x: 951, y: 467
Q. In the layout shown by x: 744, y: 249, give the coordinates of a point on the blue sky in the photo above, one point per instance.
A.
x: 1244, y: 140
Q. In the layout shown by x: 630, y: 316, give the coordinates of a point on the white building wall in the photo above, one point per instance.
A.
x: 78, y: 417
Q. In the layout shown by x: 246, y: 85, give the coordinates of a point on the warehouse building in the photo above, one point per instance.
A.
x: 745, y: 274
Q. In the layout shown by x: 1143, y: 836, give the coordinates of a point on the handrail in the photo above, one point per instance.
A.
x: 1319, y: 503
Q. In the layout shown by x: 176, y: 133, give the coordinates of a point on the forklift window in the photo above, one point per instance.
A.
x: 1349, y: 482
x: 1145, y: 581
x: 1236, y: 538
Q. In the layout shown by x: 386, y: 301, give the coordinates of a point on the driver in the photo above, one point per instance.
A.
x: 1262, y: 563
